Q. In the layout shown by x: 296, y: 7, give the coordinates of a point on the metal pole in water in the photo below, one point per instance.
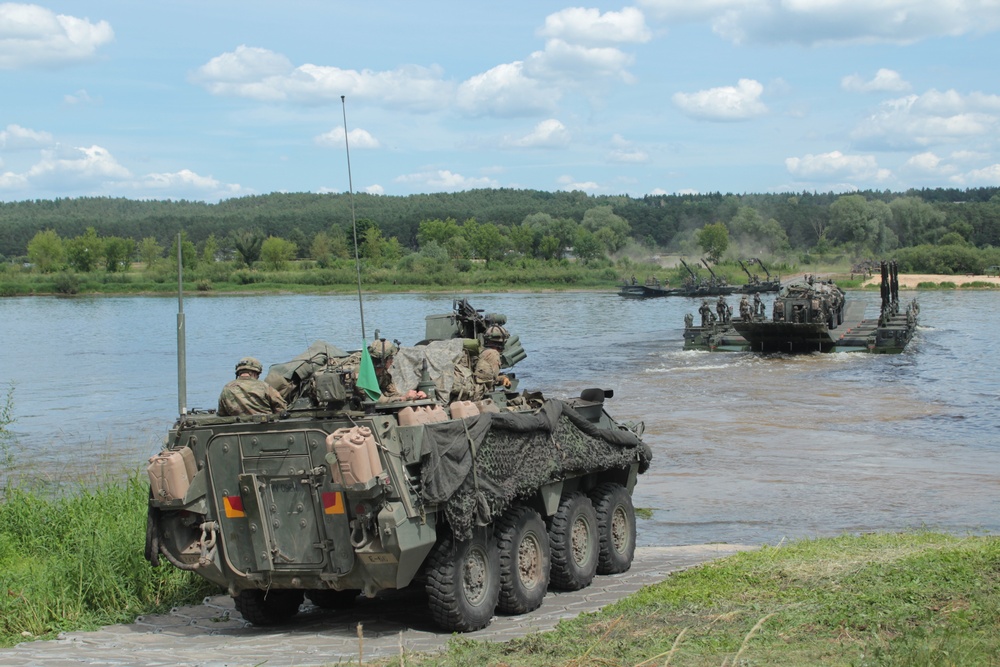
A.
x: 354, y: 223
x: 181, y: 343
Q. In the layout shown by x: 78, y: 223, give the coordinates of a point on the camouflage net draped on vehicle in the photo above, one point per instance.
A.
x: 480, y: 465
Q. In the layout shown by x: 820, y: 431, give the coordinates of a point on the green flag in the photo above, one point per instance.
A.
x: 367, y: 379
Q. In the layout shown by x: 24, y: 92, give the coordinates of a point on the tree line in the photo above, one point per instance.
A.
x: 109, y: 234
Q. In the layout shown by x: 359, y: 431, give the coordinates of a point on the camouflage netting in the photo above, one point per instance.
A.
x: 515, y: 454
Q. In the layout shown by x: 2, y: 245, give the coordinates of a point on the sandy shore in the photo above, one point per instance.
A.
x: 911, y: 280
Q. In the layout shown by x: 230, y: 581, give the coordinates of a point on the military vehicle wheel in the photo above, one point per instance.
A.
x: 615, y: 526
x: 524, y: 560
x: 574, y: 542
x: 328, y: 598
x: 463, y: 581
x: 268, y: 607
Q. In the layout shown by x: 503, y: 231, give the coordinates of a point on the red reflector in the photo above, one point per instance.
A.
x: 233, y: 506
x: 333, y: 502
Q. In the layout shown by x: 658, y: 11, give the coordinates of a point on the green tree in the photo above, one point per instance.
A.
x: 485, y: 240
x: 373, y: 245
x: 189, y: 254
x: 209, y: 249
x: 320, y: 249
x: 549, y: 247
x: 914, y: 220
x: 610, y: 229
x: 276, y: 252
x: 118, y: 254
x: 247, y: 243
x: 522, y: 239
x: 587, y: 246
x: 85, y: 251
x: 714, y: 240
x: 437, y: 231
x: 862, y: 225
x: 150, y: 251
x: 46, y: 251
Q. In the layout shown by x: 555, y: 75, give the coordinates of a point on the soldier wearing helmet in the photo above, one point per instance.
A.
x: 486, y: 373
x: 382, y: 352
x: 247, y: 394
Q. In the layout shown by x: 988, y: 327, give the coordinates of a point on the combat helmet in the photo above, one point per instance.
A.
x: 249, y: 364
x: 496, y: 335
x: 382, y: 349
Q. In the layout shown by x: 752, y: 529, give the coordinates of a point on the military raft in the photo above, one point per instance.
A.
x: 810, y: 316
x: 485, y: 503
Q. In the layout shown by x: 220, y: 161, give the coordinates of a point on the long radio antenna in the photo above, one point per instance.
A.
x: 354, y: 222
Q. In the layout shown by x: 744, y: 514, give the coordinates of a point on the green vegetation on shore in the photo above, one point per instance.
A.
x: 912, y: 599
x: 483, y: 239
x: 75, y: 561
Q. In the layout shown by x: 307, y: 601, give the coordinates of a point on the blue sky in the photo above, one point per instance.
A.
x: 216, y: 99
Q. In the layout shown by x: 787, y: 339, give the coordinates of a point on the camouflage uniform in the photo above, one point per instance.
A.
x: 249, y: 396
x: 487, y: 371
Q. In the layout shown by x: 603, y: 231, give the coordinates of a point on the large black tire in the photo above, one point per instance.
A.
x: 615, y: 526
x: 574, y: 542
x: 268, y: 607
x: 328, y: 598
x: 523, y: 544
x: 463, y: 581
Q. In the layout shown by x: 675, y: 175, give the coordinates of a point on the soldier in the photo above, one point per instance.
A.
x: 487, y: 374
x: 706, y: 313
x: 758, y: 305
x: 745, y: 309
x: 778, y: 311
x: 722, y: 309
x: 382, y: 353
x: 247, y: 394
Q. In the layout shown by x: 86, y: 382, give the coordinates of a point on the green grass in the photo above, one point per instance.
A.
x: 913, y: 599
x: 75, y: 561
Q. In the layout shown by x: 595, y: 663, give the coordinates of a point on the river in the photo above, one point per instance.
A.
x: 747, y: 448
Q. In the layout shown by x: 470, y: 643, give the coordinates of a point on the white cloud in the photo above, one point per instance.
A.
x: 33, y: 36
x: 260, y: 74
x: 445, y: 180
x: 928, y: 119
x: 79, y: 97
x: 832, y: 21
x: 567, y: 63
x: 94, y: 170
x: 589, y: 26
x: 549, y: 133
x: 16, y: 138
x: 624, y: 151
x: 569, y: 184
x: 727, y: 103
x: 923, y: 162
x: 505, y: 91
x: 836, y: 165
x: 375, y: 189
x: 979, y: 177
x: 357, y: 138
x: 181, y: 185
x: 885, y: 80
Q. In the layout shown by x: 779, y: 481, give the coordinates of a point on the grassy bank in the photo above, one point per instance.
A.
x: 76, y: 561
x: 909, y: 599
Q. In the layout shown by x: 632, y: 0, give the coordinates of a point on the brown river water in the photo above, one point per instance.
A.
x: 747, y: 448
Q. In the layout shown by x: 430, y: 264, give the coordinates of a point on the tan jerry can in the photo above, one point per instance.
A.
x: 170, y: 473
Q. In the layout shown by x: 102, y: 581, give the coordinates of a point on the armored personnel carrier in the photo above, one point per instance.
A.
x: 485, y: 503
x: 804, y: 317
